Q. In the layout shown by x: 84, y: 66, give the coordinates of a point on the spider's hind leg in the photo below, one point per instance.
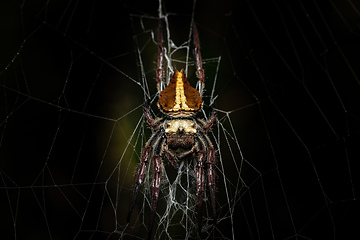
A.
x: 210, y: 161
x: 200, y: 182
x: 156, y: 182
x: 141, y: 170
x: 205, y: 160
x: 140, y: 174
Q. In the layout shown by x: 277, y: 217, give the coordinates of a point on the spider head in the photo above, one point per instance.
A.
x: 179, y: 97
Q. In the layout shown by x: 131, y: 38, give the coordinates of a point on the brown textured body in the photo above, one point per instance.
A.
x: 179, y: 96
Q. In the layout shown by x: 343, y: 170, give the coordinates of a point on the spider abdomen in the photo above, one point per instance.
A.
x: 179, y: 95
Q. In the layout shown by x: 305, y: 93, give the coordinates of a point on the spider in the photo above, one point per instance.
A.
x: 179, y: 129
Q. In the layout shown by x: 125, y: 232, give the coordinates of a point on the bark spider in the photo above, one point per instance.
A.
x: 178, y: 129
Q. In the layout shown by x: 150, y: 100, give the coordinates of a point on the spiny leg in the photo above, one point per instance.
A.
x: 210, y: 162
x: 160, y: 60
x: 211, y: 178
x: 200, y: 185
x: 141, y: 171
x: 210, y: 122
x: 153, y: 123
x: 172, y: 159
x: 139, y: 178
x: 195, y: 148
x: 155, y: 185
x: 199, y: 69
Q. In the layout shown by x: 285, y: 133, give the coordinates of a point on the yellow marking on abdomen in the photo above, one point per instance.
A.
x: 180, y: 99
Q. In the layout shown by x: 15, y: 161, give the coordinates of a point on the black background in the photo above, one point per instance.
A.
x: 289, y: 78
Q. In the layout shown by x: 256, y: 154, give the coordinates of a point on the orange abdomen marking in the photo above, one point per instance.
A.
x: 179, y: 95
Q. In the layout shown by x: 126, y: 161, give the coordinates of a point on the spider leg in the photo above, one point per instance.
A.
x: 210, y: 122
x: 187, y: 153
x: 199, y: 69
x: 140, y: 173
x: 139, y: 178
x: 153, y: 123
x: 160, y: 60
x: 171, y: 157
x: 155, y: 185
x: 200, y: 179
x: 211, y: 163
x: 211, y: 174
x: 211, y: 178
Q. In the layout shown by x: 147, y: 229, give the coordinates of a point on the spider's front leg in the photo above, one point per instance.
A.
x: 211, y: 121
x: 160, y: 60
x: 153, y: 123
x: 200, y: 74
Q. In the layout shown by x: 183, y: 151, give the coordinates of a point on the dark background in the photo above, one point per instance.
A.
x: 287, y: 88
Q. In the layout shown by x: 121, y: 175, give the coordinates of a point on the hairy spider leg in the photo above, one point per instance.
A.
x: 211, y: 178
x: 160, y: 60
x: 211, y: 120
x: 156, y: 182
x: 172, y: 159
x: 146, y: 110
x: 200, y: 182
x: 200, y: 74
x: 210, y: 161
x: 140, y: 173
x: 204, y: 143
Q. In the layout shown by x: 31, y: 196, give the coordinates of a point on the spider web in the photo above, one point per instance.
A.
x: 282, y: 76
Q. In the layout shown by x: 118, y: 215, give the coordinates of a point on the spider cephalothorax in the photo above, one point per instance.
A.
x: 179, y: 129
